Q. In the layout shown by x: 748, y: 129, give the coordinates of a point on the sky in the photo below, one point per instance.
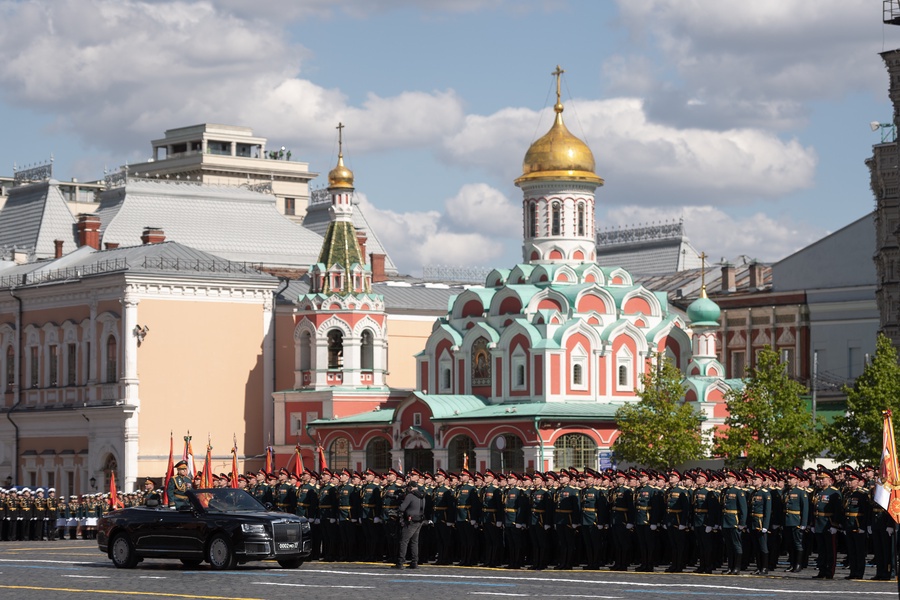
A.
x: 748, y: 120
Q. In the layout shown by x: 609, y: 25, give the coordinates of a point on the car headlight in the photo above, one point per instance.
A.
x: 253, y: 528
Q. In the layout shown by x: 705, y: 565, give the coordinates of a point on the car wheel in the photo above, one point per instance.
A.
x: 219, y: 554
x: 122, y: 552
x: 191, y: 562
x: 290, y: 563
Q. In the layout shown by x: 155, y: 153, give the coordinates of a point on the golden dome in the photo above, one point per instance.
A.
x: 340, y: 176
x: 559, y: 155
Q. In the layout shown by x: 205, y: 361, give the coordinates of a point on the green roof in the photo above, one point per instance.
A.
x: 373, y: 417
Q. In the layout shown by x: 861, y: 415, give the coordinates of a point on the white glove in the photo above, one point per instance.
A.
x: 869, y: 530
x: 889, y: 531
x: 316, y: 521
x: 708, y: 529
x: 764, y: 530
x: 377, y: 519
x: 353, y: 520
x: 832, y: 530
x: 653, y: 527
x: 629, y: 526
x: 520, y: 526
x: 682, y: 527
x: 472, y: 522
x: 576, y: 526
x: 665, y: 526
x: 546, y: 527
x: 332, y: 520
x: 499, y: 524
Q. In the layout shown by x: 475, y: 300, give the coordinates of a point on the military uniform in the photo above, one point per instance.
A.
x: 734, y: 520
x: 759, y: 522
x: 706, y: 515
x: 516, y: 509
x: 178, y: 487
x: 622, y: 518
x: 444, y: 516
x: 468, y: 508
x: 541, y: 520
x: 857, y: 520
x: 647, y: 518
x: 568, y: 519
x: 828, y: 518
x: 492, y: 521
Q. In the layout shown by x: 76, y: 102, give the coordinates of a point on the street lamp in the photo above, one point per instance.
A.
x: 888, y: 131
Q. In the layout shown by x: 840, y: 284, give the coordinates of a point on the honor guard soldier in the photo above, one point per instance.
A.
x: 444, y: 516
x: 492, y: 520
x: 648, y: 514
x: 308, y: 506
x: 541, y: 520
x: 348, y: 515
x: 515, y: 520
x: 593, y: 504
x: 51, y: 517
x: 178, y: 486
x: 759, y: 522
x: 678, y: 505
x: 857, y: 521
x: 38, y: 514
x: 261, y: 491
x: 391, y: 497
x: 734, y: 521
x: 796, y: 516
x: 568, y: 521
x: 467, y: 509
x: 828, y: 517
x: 328, y: 513
x: 370, y: 516
x: 283, y: 493
x: 706, y: 516
x: 621, y: 518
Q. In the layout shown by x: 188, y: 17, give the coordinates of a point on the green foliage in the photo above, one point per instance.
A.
x: 856, y: 436
x: 768, y: 422
x: 660, y: 430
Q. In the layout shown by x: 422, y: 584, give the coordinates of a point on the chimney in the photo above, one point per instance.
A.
x: 20, y: 257
x: 728, y: 284
x: 57, y: 248
x: 361, y: 239
x: 377, y: 262
x: 88, y: 228
x: 153, y: 235
x: 756, y: 275
x: 110, y: 245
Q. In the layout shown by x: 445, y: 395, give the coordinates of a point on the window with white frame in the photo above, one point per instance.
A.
x: 578, y: 362
x: 624, y: 366
x: 519, y: 371
x: 417, y: 419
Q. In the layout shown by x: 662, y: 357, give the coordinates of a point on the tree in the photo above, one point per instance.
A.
x: 768, y: 423
x: 856, y: 435
x: 660, y: 430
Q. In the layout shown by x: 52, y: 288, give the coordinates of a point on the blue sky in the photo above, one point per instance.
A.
x: 749, y: 120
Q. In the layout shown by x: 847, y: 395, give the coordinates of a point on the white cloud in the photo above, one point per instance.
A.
x: 711, y: 230
x: 754, y: 63
x: 644, y: 161
x: 479, y: 208
x: 416, y: 239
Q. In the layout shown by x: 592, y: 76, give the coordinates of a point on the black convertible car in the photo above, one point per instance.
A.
x: 222, y: 526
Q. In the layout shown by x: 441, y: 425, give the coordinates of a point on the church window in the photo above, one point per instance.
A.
x: 305, y: 351
x: 112, y: 363
x: 335, y: 349
x: 367, y: 349
x: 555, y: 219
x: 532, y: 220
x: 575, y: 450
x: 578, y: 360
x: 580, y: 219
x: 520, y: 375
x: 624, y: 360
x: 577, y: 375
x: 339, y: 454
x: 481, y: 363
x: 737, y: 364
x: 445, y: 379
x: 623, y: 375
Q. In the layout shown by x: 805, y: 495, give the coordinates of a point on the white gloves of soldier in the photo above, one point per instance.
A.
x: 832, y: 530
x: 764, y: 530
x: 520, y: 526
x: 499, y: 524
x: 869, y: 530
x: 377, y: 519
x: 546, y: 527
x: 708, y: 529
x: 472, y: 522
x: 889, y: 531
x: 653, y: 527
x: 316, y: 521
x: 429, y: 522
x: 332, y: 520
x: 629, y: 526
x: 682, y: 527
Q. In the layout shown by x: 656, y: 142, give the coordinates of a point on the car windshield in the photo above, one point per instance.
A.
x: 226, y: 500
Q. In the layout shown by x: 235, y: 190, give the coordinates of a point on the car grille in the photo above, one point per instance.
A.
x: 287, y: 538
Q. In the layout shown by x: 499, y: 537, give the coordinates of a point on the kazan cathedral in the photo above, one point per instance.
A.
x: 526, y: 372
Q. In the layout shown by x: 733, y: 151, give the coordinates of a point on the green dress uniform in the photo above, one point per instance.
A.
x: 706, y: 515
x: 516, y: 508
x: 568, y: 520
x: 648, y: 513
x: 177, y: 491
x: 827, y: 520
x: 677, y: 518
x: 796, y: 516
x: 541, y: 520
x: 370, y: 518
x: 622, y: 518
x: 308, y: 506
x: 734, y: 519
x: 857, y: 521
x: 593, y: 504
x: 468, y: 507
x: 759, y: 522
x: 492, y: 524
x: 328, y: 513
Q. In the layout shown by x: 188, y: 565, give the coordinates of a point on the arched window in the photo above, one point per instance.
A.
x: 580, y: 219
x: 481, y: 363
x: 112, y: 362
x: 10, y: 367
x: 511, y: 457
x: 577, y: 375
x: 378, y: 455
x: 110, y: 466
x: 305, y: 351
x: 461, y: 447
x: 335, y: 349
x: 623, y: 375
x: 367, y: 350
x: 532, y: 220
x: 575, y: 450
x: 339, y: 454
x: 446, y: 380
x: 555, y: 219
x: 520, y: 375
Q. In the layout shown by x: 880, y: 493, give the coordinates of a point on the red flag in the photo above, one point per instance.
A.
x: 323, y: 464
x: 234, y: 469
x: 206, y: 476
x: 169, y: 471
x: 887, y: 490
x: 298, y: 461
x: 270, y: 459
x: 466, y: 461
x: 113, y: 494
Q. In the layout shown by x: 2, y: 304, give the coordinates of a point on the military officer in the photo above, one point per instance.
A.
x: 857, y: 521
x: 515, y: 520
x: 541, y: 520
x: 568, y: 520
x: 828, y: 518
x: 706, y: 515
x: 647, y: 517
x: 370, y: 516
x: 178, y: 486
x: 759, y: 522
x: 622, y: 518
x: 734, y: 521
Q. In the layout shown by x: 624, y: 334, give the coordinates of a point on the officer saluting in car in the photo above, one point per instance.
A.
x: 178, y: 486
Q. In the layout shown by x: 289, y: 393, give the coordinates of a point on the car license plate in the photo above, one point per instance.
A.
x: 287, y: 545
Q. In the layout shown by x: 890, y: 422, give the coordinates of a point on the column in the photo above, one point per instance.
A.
x: 268, y: 358
x: 233, y: 148
x: 130, y: 348
x: 482, y: 459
